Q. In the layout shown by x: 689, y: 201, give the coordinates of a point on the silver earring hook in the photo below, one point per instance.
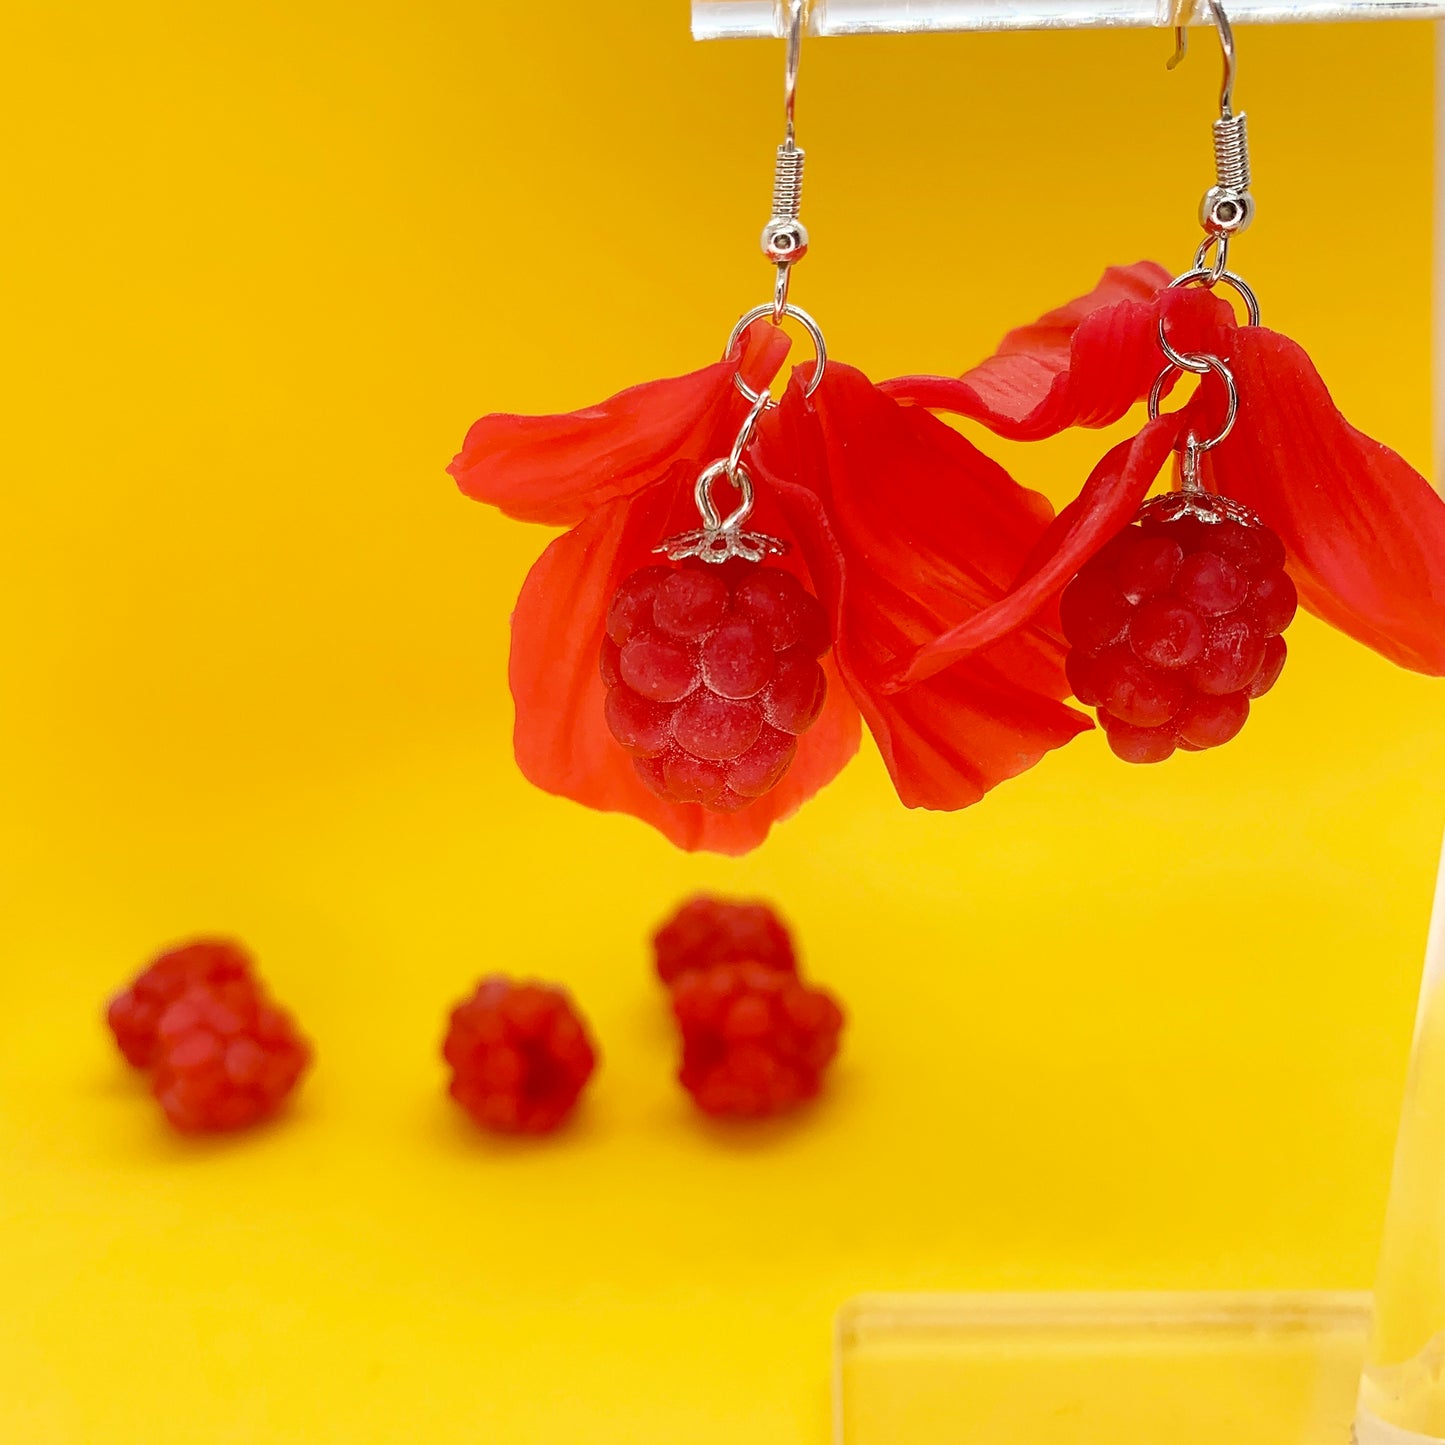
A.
x: 785, y: 237
x: 1228, y: 205
x: 1226, y: 210
x: 797, y: 12
x: 1226, y: 44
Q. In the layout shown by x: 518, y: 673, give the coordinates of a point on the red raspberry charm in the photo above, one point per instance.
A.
x: 225, y: 1058
x: 707, y: 931
x: 755, y: 1041
x: 135, y: 1012
x: 520, y: 1056
x: 712, y: 675
x: 1174, y: 625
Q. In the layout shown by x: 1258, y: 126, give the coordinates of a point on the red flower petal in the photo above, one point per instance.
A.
x: 919, y: 526
x: 1107, y: 502
x: 559, y: 469
x: 1084, y: 364
x: 561, y: 739
x: 1365, y: 532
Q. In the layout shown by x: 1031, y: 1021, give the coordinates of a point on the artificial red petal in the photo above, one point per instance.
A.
x: 1106, y: 503
x: 558, y: 469
x: 1084, y: 364
x: 920, y: 525
x: 1365, y: 532
x: 561, y: 739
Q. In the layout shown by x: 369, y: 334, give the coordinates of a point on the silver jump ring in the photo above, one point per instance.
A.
x: 702, y: 495
x: 745, y: 432
x: 1190, y: 361
x: 1219, y: 264
x: 805, y: 321
x: 1204, y: 276
x: 1201, y: 364
x: 1201, y: 276
x: 780, y: 292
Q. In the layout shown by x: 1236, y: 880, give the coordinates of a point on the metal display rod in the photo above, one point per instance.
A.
x: 742, y: 19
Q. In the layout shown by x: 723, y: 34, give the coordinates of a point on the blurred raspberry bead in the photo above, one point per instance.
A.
x: 135, y: 1013
x: 707, y: 931
x: 226, y: 1058
x: 520, y: 1056
x: 755, y: 1041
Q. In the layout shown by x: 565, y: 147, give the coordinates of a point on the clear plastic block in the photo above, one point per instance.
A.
x: 1106, y: 1369
x: 1402, y: 1393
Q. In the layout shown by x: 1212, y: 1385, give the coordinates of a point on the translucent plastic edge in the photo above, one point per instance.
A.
x: 760, y: 19
x: 930, y: 1313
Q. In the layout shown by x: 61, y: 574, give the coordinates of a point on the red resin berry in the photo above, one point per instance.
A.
x: 226, y: 1058
x: 755, y: 1041
x: 1094, y: 610
x: 1146, y: 569
x: 1210, y: 584
x: 135, y: 1013
x: 520, y: 1056
x: 1166, y: 633
x: 1138, y: 745
x: 1275, y: 653
x: 1209, y: 721
x: 1174, y: 627
x: 712, y: 675
x: 1132, y: 691
x: 708, y: 931
x: 1232, y: 656
x: 1273, y: 602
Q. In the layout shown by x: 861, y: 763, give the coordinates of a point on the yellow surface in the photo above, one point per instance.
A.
x: 262, y: 265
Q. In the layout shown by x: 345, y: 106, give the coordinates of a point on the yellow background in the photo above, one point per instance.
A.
x: 262, y: 263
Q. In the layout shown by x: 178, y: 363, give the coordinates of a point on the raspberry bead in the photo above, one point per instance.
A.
x: 226, y: 1058
x: 708, y: 931
x: 135, y: 1013
x: 712, y: 675
x: 755, y: 1041
x: 1275, y: 652
x: 520, y: 1056
x: 1166, y: 633
x: 1174, y: 626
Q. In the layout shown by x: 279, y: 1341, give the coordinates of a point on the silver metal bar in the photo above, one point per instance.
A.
x: 741, y: 19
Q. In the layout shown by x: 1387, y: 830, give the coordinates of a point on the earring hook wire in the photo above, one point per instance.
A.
x: 797, y: 12
x: 1225, y: 31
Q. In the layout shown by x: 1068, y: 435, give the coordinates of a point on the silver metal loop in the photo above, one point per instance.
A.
x: 1191, y: 361
x: 712, y: 520
x: 745, y: 431
x: 780, y: 292
x: 1203, y: 276
x: 1218, y: 264
x: 1197, y: 362
x: 720, y: 538
x: 1201, y: 363
x: 815, y: 334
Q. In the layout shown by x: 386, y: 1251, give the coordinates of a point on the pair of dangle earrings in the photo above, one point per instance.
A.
x: 752, y: 571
